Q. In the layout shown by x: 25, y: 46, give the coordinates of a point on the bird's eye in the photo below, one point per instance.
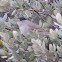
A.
x: 22, y: 18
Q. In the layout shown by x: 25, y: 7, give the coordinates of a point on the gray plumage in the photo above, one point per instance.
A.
x: 25, y: 26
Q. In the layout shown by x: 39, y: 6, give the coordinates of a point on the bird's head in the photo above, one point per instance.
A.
x: 22, y: 18
x: 20, y: 21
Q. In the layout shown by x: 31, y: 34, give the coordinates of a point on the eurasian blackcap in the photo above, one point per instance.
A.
x: 25, y: 26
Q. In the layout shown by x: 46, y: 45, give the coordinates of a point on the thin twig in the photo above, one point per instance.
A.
x: 38, y: 13
x: 34, y: 10
x: 42, y: 18
x: 17, y: 3
x: 42, y: 5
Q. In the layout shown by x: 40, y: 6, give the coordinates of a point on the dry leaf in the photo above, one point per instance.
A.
x: 4, y: 36
x: 59, y: 18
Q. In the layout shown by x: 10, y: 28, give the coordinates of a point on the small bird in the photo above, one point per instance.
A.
x: 25, y: 26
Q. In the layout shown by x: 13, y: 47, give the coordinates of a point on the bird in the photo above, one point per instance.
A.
x: 26, y: 26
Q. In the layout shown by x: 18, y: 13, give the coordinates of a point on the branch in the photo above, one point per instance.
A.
x: 38, y: 13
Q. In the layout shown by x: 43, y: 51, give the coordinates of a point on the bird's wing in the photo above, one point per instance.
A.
x: 35, y: 26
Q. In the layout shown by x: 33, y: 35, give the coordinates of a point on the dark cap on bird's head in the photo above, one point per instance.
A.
x: 22, y: 18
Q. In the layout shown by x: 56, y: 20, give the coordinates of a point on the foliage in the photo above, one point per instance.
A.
x: 33, y: 48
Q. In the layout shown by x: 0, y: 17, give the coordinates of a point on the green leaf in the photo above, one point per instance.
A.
x: 1, y: 19
x: 5, y: 17
x: 60, y: 33
x: 32, y: 57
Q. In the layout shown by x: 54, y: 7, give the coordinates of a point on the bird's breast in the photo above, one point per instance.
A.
x: 24, y: 30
